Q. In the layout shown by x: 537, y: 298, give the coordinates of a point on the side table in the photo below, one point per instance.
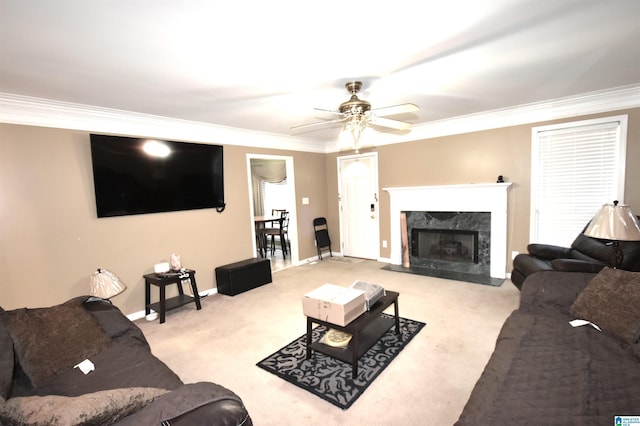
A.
x: 163, y: 280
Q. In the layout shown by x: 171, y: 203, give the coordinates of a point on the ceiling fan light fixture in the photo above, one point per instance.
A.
x: 353, y: 130
x: 356, y: 116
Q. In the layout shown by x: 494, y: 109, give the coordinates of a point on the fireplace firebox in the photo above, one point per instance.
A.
x: 445, y: 244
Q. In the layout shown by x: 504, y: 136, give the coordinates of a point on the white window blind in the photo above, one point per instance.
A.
x: 576, y: 167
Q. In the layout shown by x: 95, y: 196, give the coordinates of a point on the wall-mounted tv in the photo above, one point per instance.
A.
x: 136, y: 176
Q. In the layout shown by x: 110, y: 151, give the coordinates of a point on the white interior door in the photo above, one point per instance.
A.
x: 359, y: 222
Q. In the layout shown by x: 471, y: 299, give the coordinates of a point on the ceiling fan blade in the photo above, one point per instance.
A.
x: 327, y: 111
x: 319, y: 124
x: 395, y: 109
x: 392, y: 124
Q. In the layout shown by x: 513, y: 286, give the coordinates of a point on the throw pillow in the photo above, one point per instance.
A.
x: 612, y: 302
x: 48, y: 341
x: 98, y: 408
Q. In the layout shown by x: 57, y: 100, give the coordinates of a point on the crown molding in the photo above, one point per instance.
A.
x: 614, y: 99
x: 30, y: 111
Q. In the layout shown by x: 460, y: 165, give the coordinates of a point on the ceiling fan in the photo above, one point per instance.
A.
x: 357, y: 112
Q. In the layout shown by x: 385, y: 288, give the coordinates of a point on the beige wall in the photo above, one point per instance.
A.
x: 477, y: 157
x: 51, y: 239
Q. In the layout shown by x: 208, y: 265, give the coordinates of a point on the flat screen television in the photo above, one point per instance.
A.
x: 137, y: 176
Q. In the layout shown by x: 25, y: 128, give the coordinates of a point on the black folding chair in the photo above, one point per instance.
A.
x: 323, y: 242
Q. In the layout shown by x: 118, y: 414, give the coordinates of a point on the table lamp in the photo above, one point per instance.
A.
x: 105, y: 284
x: 615, y: 222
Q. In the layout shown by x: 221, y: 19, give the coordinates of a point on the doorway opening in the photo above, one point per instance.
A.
x: 271, y: 187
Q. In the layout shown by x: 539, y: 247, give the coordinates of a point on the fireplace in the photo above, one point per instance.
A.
x: 480, y: 208
x: 445, y: 244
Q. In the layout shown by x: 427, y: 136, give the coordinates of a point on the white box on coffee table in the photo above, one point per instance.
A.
x: 334, y: 304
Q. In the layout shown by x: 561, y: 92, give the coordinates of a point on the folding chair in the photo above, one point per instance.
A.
x: 323, y: 242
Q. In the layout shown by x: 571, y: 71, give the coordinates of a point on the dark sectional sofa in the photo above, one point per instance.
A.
x: 128, y: 386
x: 545, y: 371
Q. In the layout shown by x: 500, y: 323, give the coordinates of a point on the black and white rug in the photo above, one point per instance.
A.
x: 329, y: 378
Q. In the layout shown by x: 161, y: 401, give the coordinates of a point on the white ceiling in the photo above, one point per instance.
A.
x: 264, y: 65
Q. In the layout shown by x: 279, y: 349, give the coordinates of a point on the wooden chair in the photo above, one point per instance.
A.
x: 281, y: 231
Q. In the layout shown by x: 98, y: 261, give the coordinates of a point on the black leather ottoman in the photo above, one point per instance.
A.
x: 242, y: 276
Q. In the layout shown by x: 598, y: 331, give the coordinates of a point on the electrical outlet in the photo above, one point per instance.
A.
x: 384, y: 243
x: 514, y: 254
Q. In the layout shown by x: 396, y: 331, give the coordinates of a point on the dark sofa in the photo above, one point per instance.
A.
x: 586, y: 254
x: 128, y: 386
x: 545, y: 371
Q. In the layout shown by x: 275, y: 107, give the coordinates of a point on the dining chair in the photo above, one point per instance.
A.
x: 281, y: 231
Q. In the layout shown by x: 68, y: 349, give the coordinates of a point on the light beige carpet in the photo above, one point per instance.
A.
x: 427, y: 384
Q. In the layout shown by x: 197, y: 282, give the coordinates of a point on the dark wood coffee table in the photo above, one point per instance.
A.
x: 366, y: 330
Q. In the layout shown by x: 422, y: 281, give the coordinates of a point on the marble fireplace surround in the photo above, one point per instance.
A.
x: 460, y: 198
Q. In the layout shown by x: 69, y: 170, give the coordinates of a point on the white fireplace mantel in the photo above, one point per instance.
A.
x: 490, y: 197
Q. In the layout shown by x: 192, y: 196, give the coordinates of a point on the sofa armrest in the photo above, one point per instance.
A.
x: 225, y: 412
x: 575, y: 265
x: 547, y: 251
x: 202, y: 403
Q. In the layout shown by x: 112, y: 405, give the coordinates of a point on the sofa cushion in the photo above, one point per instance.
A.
x: 612, y: 302
x: 553, y: 293
x: 6, y: 358
x: 123, y: 364
x: 98, y: 408
x: 48, y: 341
x: 576, y: 265
x: 545, y: 372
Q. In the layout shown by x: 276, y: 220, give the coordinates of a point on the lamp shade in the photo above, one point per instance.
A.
x: 105, y: 284
x: 614, y: 222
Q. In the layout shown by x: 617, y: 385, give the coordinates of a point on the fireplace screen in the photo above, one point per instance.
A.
x: 445, y: 244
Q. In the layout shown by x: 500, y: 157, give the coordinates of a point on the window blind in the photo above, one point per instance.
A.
x: 575, y: 169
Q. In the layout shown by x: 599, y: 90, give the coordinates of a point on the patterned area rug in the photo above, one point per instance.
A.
x: 329, y: 378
